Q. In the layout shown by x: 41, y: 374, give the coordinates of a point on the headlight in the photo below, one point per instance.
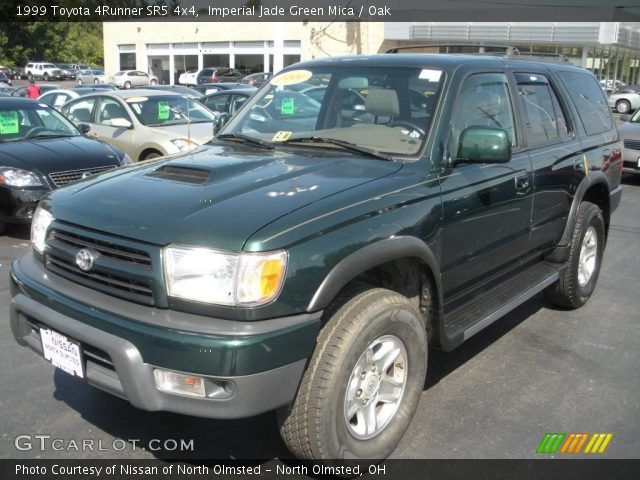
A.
x: 184, y: 145
x: 15, y: 177
x: 39, y: 225
x: 208, y: 276
x: 126, y: 160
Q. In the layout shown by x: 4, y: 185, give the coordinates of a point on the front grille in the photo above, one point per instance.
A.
x: 60, y: 179
x: 634, y: 144
x: 119, y: 269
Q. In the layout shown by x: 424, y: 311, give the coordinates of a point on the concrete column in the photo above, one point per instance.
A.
x: 172, y: 65
x: 278, y: 47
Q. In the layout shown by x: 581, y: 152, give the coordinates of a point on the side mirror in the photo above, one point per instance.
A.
x: 221, y: 121
x: 625, y: 118
x: 483, y: 145
x: 121, y: 123
x: 84, y: 128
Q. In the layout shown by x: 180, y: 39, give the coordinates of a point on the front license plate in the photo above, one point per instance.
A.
x: 62, y: 352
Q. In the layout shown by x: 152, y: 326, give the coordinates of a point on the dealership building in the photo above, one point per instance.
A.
x: 610, y: 49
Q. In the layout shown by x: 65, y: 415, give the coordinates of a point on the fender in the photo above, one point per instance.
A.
x: 561, y: 252
x: 372, y: 255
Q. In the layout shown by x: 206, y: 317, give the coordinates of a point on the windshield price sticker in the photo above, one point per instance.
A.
x: 430, y: 75
x: 9, y: 123
x: 291, y: 78
x: 281, y: 136
x: 288, y: 106
x: 163, y: 110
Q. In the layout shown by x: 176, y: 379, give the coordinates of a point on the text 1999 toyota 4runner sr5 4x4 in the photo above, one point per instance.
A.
x: 353, y: 212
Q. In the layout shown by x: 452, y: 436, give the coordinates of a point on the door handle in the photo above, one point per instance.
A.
x: 522, y: 182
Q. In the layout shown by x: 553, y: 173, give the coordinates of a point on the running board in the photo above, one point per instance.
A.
x: 465, y: 321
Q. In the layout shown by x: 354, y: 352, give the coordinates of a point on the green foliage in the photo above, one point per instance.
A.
x: 72, y: 42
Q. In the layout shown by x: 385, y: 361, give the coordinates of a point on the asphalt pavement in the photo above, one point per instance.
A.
x: 537, y: 370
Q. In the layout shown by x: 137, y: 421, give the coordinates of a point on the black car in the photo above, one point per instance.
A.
x: 4, y: 78
x: 207, y: 88
x: 226, y: 101
x: 40, y: 150
x: 257, y: 79
x: 218, y: 74
x: 68, y: 72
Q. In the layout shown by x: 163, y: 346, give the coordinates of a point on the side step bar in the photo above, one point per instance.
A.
x: 465, y: 321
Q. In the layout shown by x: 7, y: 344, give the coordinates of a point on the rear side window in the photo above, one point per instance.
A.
x: 544, y: 121
x: 589, y: 100
x: 79, y: 111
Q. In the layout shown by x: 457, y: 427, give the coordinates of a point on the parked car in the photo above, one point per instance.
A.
x: 90, y: 76
x: 305, y: 260
x: 5, y: 79
x: 43, y: 71
x: 143, y: 123
x: 22, y: 91
x: 68, y: 70
x: 207, y: 88
x: 630, y: 134
x: 57, y: 98
x: 132, y: 78
x: 7, y: 90
x: 18, y: 73
x: 257, y: 79
x: 210, y: 75
x: 226, y: 101
x: 40, y: 150
x: 182, y: 90
x: 625, y: 99
x: 9, y: 72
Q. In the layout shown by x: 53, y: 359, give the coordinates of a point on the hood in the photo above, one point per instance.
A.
x: 50, y: 155
x: 216, y: 197
x: 198, y: 132
x: 630, y: 130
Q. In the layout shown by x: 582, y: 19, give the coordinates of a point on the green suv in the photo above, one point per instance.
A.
x: 306, y: 258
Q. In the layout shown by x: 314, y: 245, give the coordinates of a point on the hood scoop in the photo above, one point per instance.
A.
x: 182, y: 173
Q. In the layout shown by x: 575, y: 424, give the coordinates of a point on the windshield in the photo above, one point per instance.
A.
x: 33, y: 121
x: 381, y: 109
x: 160, y: 110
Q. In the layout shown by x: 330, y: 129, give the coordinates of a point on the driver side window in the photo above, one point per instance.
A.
x: 483, y: 101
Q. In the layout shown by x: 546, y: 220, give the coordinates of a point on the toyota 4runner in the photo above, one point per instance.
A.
x: 352, y: 213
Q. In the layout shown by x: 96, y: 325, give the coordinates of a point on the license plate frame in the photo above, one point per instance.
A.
x: 62, y: 352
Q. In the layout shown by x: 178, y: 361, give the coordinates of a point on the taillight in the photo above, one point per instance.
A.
x: 214, y: 79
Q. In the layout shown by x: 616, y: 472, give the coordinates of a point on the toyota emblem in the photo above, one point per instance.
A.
x: 85, y: 259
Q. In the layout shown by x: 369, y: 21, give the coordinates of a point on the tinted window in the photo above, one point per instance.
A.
x: 80, y: 110
x: 217, y: 103
x: 484, y: 102
x: 543, y: 118
x: 589, y: 100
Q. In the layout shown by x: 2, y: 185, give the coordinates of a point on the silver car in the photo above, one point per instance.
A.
x: 143, y: 123
x: 630, y: 135
x: 625, y: 99
x: 90, y: 76
x: 132, y: 78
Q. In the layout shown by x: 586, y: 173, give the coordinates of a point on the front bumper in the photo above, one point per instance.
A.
x: 122, y: 343
x: 18, y: 204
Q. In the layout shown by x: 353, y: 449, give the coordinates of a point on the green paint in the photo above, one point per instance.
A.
x: 163, y: 110
x: 550, y: 442
x: 288, y: 106
x: 9, y: 123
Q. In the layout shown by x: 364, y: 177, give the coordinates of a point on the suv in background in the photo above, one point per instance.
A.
x: 308, y: 256
x: 218, y: 74
x: 43, y: 71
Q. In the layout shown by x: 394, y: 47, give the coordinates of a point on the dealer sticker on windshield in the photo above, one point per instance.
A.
x: 163, y: 110
x: 281, y: 136
x: 9, y: 123
x: 288, y: 106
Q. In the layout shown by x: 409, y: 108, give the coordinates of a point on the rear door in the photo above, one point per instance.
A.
x: 486, y: 207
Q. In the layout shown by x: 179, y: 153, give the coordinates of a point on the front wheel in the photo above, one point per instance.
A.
x: 578, y: 281
x: 363, y: 382
x: 127, y: 85
x: 153, y: 81
x: 623, y: 106
x: 95, y: 80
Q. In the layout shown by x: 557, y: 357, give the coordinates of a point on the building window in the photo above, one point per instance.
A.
x: 127, y: 61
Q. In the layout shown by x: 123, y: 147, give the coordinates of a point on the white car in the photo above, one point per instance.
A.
x: 625, y: 99
x: 189, y: 78
x: 132, y: 78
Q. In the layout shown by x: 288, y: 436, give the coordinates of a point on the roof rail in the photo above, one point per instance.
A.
x: 505, y: 49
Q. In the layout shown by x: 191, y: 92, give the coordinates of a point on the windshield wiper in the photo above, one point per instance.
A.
x: 50, y: 135
x: 352, y: 147
x: 245, y: 139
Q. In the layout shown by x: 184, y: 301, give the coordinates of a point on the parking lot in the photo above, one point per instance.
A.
x: 537, y: 370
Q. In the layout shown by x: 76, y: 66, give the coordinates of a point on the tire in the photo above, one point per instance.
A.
x: 95, y: 80
x: 29, y: 76
x: 153, y: 81
x: 45, y: 77
x: 127, y: 85
x: 151, y: 155
x: 3, y: 228
x: 79, y: 81
x: 316, y: 425
x: 578, y: 281
x: 623, y: 106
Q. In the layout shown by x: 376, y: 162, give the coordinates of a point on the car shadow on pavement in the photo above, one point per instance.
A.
x: 443, y: 363
x: 19, y: 231
x: 250, y: 438
x: 631, y: 179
